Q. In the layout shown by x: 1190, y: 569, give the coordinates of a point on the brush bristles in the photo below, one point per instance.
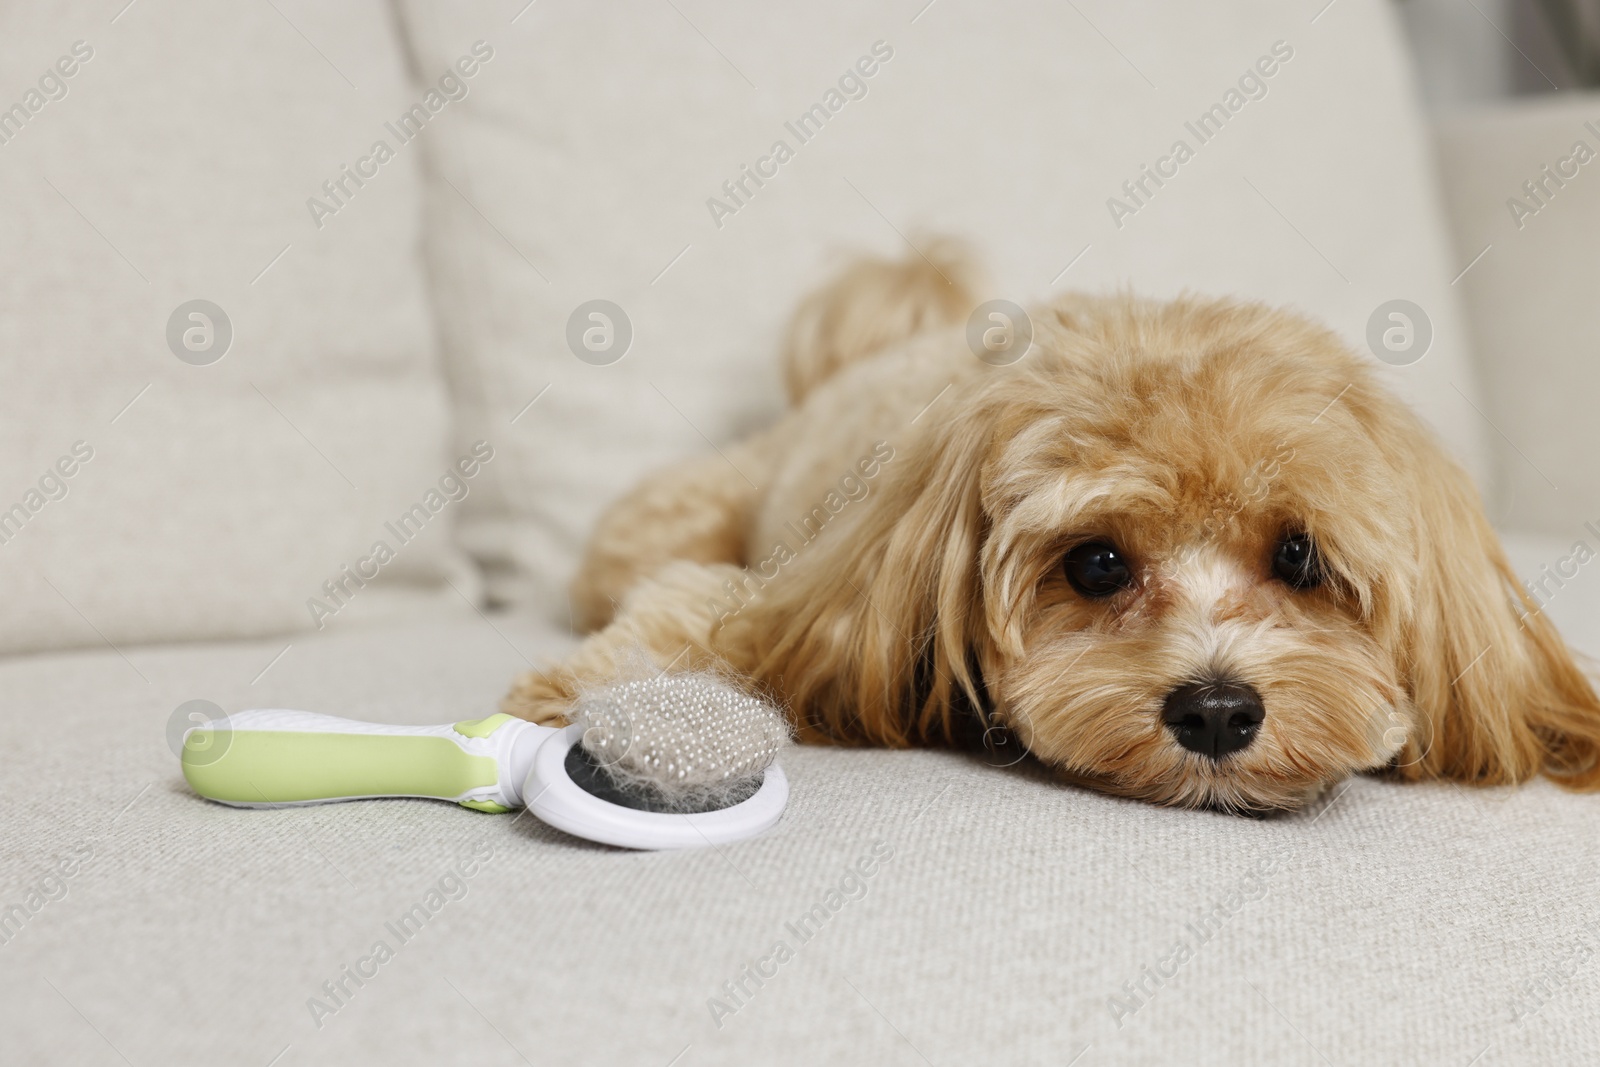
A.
x: 681, y: 742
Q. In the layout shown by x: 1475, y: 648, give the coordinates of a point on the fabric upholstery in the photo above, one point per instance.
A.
x: 216, y: 498
x: 1390, y: 923
x: 1530, y: 300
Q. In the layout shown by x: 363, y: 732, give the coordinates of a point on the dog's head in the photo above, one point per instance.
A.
x: 1192, y: 553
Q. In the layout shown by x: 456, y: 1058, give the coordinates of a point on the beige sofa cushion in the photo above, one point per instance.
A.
x: 144, y: 497
x: 1531, y: 299
x: 1012, y: 923
x: 589, y: 162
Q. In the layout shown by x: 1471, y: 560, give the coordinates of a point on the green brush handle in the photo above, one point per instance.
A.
x: 273, y: 758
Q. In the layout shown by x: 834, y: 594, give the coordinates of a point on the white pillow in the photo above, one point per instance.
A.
x: 164, y: 155
x: 590, y: 158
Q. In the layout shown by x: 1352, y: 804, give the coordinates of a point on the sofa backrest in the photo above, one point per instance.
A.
x: 184, y: 183
x: 180, y: 470
x: 1523, y: 184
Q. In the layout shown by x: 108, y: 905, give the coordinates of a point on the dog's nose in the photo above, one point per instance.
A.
x: 1214, y: 718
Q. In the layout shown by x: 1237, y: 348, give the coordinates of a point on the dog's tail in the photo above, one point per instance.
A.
x: 873, y: 304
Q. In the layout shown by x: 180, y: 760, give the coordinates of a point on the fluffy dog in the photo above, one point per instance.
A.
x: 1189, y: 552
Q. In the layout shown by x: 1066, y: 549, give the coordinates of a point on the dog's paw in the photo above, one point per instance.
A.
x: 541, y: 697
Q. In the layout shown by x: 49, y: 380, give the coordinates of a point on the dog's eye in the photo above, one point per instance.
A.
x: 1294, y: 561
x: 1097, y: 569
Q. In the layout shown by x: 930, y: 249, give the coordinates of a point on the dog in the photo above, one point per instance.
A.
x: 1189, y: 552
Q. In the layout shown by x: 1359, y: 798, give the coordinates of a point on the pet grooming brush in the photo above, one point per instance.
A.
x: 672, y: 762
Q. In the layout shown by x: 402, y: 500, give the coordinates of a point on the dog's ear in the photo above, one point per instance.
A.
x: 1497, y: 693
x: 869, y: 638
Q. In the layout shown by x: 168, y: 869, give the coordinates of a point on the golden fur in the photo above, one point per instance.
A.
x: 896, y: 579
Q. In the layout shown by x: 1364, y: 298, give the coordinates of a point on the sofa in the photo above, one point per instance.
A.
x: 279, y: 276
